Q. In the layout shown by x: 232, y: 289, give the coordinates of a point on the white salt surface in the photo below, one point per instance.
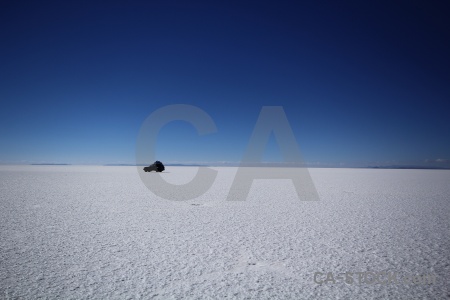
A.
x: 88, y: 232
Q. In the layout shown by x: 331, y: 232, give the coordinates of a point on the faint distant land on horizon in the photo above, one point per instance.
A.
x: 263, y: 164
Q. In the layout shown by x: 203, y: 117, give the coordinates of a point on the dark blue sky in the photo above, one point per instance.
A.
x: 361, y: 83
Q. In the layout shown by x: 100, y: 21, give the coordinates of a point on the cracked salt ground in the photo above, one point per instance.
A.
x: 248, y: 263
x: 88, y: 232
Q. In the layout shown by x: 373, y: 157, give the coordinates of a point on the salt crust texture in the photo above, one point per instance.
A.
x: 93, y: 232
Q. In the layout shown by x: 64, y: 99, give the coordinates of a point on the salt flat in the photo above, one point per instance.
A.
x: 92, y: 232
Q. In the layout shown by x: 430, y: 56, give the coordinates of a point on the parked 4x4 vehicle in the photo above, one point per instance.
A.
x: 157, y: 166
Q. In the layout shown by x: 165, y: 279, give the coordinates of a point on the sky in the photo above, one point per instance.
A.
x: 362, y: 83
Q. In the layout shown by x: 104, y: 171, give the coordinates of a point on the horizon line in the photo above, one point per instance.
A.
x: 262, y: 164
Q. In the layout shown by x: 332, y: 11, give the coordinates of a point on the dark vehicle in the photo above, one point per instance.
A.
x: 157, y: 166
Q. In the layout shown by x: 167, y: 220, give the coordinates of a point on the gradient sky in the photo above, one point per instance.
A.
x: 361, y: 83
